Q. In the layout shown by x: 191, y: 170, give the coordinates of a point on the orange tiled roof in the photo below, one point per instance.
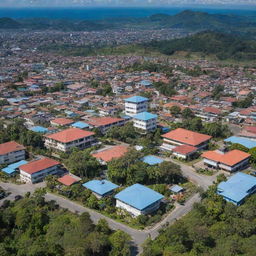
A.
x: 9, y: 147
x: 62, y: 121
x: 38, y: 165
x: 114, y: 152
x: 186, y: 137
x: 101, y: 121
x: 67, y: 180
x: 69, y: 135
x: 184, y: 149
x: 231, y: 158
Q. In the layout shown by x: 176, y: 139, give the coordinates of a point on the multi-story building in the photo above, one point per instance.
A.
x: 11, y: 152
x: 145, y: 121
x: 70, y: 138
x: 37, y: 170
x: 135, y: 105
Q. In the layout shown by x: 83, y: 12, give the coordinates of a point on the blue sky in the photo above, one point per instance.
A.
x: 50, y: 3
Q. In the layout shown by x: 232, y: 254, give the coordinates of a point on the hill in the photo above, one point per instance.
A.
x: 8, y: 23
x: 223, y: 46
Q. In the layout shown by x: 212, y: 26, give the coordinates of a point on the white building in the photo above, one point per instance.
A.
x: 11, y: 152
x: 145, y: 121
x: 135, y: 105
x: 138, y: 199
x: 70, y: 138
x: 37, y: 170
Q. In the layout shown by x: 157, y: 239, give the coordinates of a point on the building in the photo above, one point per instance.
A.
x: 248, y: 143
x: 135, y: 105
x: 37, y: 170
x: 184, y: 151
x: 12, y: 169
x: 68, y: 180
x: 100, y: 188
x: 138, y: 199
x: 152, y: 160
x: 109, y: 154
x: 80, y: 125
x: 70, y: 138
x: 237, y: 188
x: 11, y: 152
x: 105, y: 123
x: 234, y: 160
x: 61, y: 122
x: 145, y: 121
x: 182, y: 136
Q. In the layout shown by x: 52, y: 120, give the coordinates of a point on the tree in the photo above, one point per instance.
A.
x: 175, y: 110
x: 103, y: 227
x: 187, y: 113
x: 239, y: 147
x: 120, y: 242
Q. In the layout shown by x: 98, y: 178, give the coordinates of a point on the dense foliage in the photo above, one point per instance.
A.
x: 33, y: 227
x: 214, y: 227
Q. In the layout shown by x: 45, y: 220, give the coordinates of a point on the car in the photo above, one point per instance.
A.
x: 18, y: 197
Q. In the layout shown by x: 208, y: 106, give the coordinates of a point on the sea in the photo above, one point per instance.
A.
x: 98, y: 13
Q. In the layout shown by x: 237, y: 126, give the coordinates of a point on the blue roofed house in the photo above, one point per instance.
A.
x: 248, y: 143
x: 145, y: 121
x: 135, y: 105
x: 39, y: 129
x: 11, y: 169
x: 80, y: 125
x: 152, y: 160
x: 237, y: 188
x: 100, y: 188
x: 138, y: 199
x: 176, y: 189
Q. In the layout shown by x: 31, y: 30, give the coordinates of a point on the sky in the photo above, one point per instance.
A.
x: 54, y: 3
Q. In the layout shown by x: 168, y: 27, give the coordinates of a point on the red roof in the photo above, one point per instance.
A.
x: 69, y: 135
x: 9, y: 147
x: 251, y: 129
x: 102, y: 121
x: 212, y: 110
x: 38, y: 165
x: 62, y: 121
x: 114, y: 152
x: 187, y: 137
x: 184, y: 149
x: 230, y: 158
x: 67, y: 180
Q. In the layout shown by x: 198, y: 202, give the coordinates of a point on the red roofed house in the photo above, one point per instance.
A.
x: 105, y: 123
x: 209, y: 114
x: 231, y: 161
x: 184, y: 151
x: 37, y: 170
x: 61, y: 122
x: 11, y: 152
x: 109, y: 154
x: 182, y: 136
x: 67, y: 139
x: 68, y: 180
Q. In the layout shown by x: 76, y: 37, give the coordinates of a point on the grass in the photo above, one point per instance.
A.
x: 208, y: 172
x: 187, y: 162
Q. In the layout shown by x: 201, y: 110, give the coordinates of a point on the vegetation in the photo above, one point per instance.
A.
x: 31, y: 227
x: 214, y: 227
x: 245, y: 103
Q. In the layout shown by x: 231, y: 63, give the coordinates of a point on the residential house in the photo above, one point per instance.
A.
x: 135, y: 105
x: 145, y: 121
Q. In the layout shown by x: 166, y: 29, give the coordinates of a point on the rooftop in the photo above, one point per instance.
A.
x: 237, y: 187
x: 80, y: 125
x: 102, y: 121
x: 184, y: 149
x: 11, y: 168
x: 67, y: 180
x: 69, y: 135
x: 176, y: 188
x: 62, y: 121
x: 152, y: 160
x: 9, y: 147
x: 136, y: 99
x: 145, y: 116
x: 100, y: 187
x: 139, y: 196
x: 39, y: 129
x: 248, y: 143
x: 187, y: 137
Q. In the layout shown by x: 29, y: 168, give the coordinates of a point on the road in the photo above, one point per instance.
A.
x: 138, y: 236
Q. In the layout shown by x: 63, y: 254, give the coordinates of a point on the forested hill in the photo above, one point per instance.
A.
x: 223, y: 46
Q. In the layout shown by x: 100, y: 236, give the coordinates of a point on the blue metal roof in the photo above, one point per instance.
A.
x: 39, y: 129
x: 138, y: 196
x: 243, y: 141
x: 10, y: 169
x: 145, y: 116
x: 80, y: 125
x: 101, y: 187
x: 152, y: 160
x: 237, y: 187
x: 136, y: 99
x: 176, y: 188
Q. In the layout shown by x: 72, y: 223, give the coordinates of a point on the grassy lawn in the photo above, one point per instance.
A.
x: 187, y: 162
x: 208, y: 172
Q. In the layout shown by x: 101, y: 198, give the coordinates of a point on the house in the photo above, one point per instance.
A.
x: 152, y: 160
x: 68, y: 180
x: 105, y: 123
x: 11, y: 169
x: 145, y: 121
x: 182, y: 136
x: 237, y: 188
x: 37, y: 170
x: 109, y: 154
x: 248, y: 143
x: 70, y: 138
x: 80, y: 125
x: 39, y: 129
x: 184, y: 151
x: 61, y: 122
x: 234, y: 160
x: 100, y: 188
x: 11, y: 152
x: 135, y: 105
x: 138, y: 199
x: 176, y: 189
